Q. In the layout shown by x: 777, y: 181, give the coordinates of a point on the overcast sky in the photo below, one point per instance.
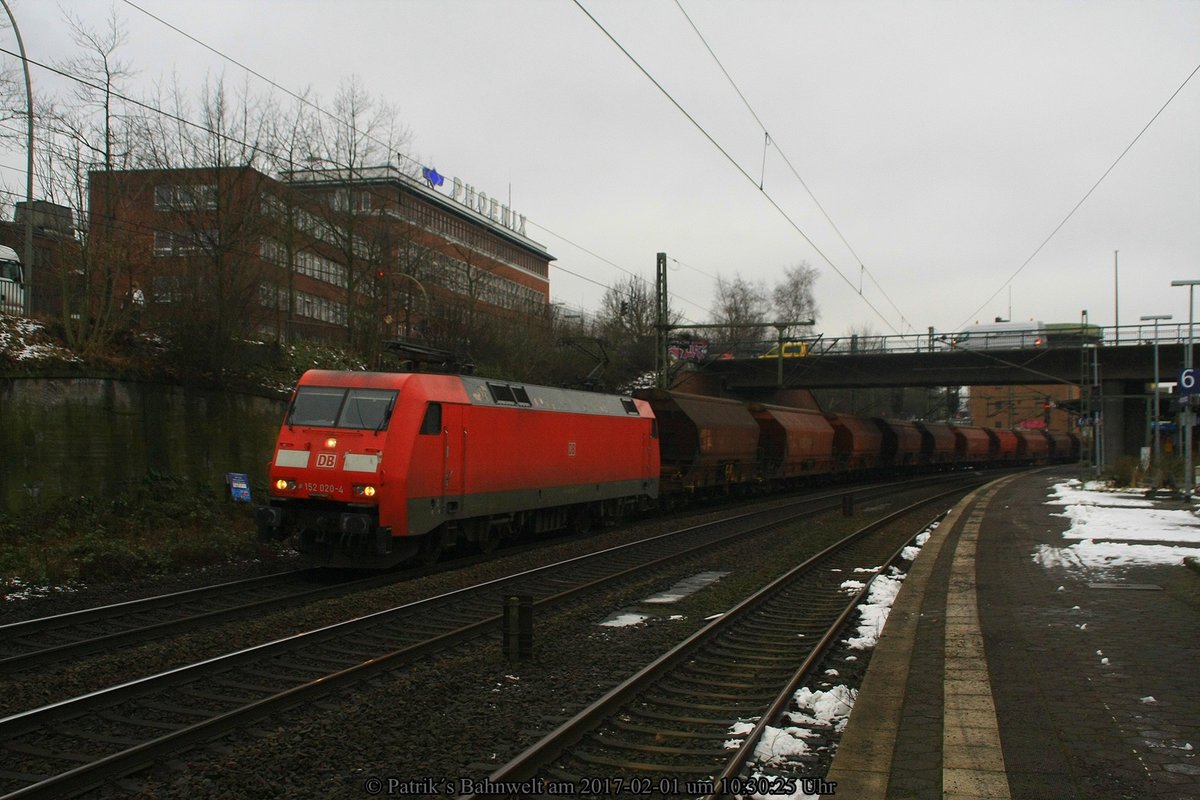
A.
x: 945, y: 140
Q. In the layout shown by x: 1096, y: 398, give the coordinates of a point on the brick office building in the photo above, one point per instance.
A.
x: 1029, y: 407
x: 318, y: 253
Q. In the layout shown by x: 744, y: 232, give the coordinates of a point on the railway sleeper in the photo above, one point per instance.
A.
x: 681, y: 719
x: 755, y: 651
x: 100, y: 738
x: 607, y: 743
x: 673, y: 733
x: 708, y: 679
x: 770, y: 668
x: 643, y: 766
x: 51, y: 755
x: 142, y: 723
x: 765, y: 694
x: 735, y: 709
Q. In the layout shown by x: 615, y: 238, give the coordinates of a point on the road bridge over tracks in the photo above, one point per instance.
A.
x: 1117, y: 365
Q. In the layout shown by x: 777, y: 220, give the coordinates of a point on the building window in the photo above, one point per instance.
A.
x: 167, y: 243
x: 166, y: 289
x: 202, y: 197
x: 348, y: 200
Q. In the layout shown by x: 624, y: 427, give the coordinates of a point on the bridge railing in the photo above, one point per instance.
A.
x: 1055, y: 336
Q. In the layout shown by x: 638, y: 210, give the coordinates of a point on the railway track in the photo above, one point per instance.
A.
x: 71, y: 746
x: 34, y: 643
x: 678, y: 726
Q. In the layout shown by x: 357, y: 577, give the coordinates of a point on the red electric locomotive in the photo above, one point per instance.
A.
x: 373, y: 469
x: 379, y: 468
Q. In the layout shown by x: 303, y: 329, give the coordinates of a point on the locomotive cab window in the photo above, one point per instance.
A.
x: 367, y: 408
x: 337, y: 407
x: 316, y: 405
x: 432, y: 423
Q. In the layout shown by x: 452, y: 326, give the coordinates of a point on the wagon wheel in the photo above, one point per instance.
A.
x: 489, y: 540
x: 430, y: 552
x: 581, y: 520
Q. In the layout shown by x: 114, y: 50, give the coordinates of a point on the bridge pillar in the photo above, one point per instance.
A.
x: 1124, y: 407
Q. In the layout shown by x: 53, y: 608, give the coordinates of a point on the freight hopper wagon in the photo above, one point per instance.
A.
x: 380, y: 468
x: 794, y: 444
x: 708, y: 445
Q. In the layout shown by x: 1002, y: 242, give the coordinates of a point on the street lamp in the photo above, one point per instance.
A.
x: 27, y: 266
x: 1187, y: 416
x: 1154, y: 419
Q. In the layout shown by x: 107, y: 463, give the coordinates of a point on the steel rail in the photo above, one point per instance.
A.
x: 737, y: 762
x: 523, y: 768
x: 138, y: 756
x: 120, y: 613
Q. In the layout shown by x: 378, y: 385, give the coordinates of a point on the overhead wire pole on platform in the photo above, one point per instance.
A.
x: 1155, y: 444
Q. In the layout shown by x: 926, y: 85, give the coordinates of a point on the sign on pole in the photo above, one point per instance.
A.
x: 239, y: 486
x: 1187, y: 382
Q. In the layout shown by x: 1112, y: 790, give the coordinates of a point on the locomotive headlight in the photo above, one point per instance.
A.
x: 285, y: 485
x: 364, y: 490
x: 330, y: 443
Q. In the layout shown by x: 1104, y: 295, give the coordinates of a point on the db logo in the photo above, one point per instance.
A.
x: 326, y: 460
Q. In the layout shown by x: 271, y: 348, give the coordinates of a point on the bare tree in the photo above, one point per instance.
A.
x: 460, y: 321
x: 628, y: 309
x: 793, y: 294
x: 358, y: 137
x: 292, y: 136
x: 626, y: 322
x: 740, y: 303
x: 84, y: 133
x: 210, y: 271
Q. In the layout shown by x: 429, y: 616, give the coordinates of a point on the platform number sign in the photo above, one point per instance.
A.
x: 1188, y: 382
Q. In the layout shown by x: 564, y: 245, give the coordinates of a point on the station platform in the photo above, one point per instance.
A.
x: 1017, y: 663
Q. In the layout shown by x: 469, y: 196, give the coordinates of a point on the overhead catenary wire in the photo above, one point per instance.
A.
x: 330, y: 114
x: 704, y: 132
x: 233, y: 139
x: 606, y: 261
x: 768, y: 142
x: 206, y: 129
x: 1082, y: 200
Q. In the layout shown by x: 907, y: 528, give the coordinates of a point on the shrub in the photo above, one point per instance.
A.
x: 158, y: 524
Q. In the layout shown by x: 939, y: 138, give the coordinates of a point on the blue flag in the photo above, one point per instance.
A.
x: 432, y: 176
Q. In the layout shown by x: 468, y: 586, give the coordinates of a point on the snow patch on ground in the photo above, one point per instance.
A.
x: 1117, y: 529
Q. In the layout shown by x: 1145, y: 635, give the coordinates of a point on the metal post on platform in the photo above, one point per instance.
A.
x: 517, y: 627
x: 1188, y: 417
x: 1085, y: 390
x: 1155, y: 444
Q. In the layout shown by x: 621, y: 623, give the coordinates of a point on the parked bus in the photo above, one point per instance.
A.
x: 12, y: 282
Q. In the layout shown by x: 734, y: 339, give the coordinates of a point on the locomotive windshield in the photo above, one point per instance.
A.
x: 337, y: 407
